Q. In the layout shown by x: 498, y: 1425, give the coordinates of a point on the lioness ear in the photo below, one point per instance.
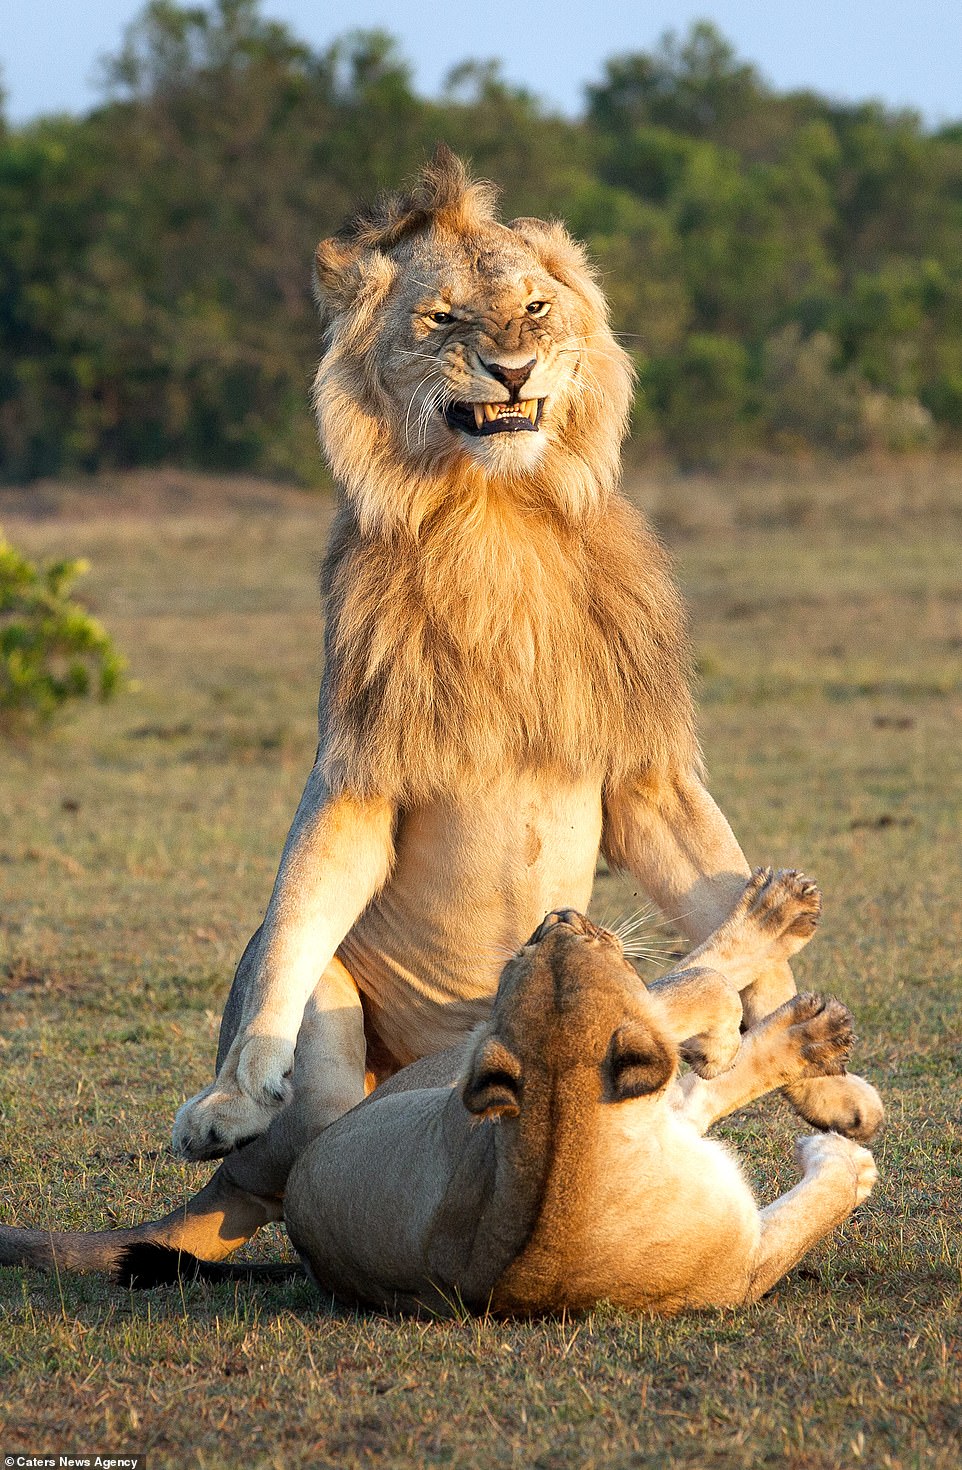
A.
x: 493, y: 1085
x: 639, y: 1062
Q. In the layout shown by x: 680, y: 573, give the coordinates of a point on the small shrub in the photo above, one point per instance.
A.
x: 51, y: 648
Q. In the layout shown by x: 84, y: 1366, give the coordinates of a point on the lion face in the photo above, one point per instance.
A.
x: 483, y: 351
x: 461, y: 353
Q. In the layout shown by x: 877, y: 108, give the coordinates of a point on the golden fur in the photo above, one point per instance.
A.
x: 481, y: 646
x: 595, y: 1182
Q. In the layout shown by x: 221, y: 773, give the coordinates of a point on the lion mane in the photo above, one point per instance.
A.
x: 473, y: 617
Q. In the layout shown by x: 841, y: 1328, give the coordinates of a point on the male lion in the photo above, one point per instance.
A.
x: 506, y: 684
x: 597, y: 1183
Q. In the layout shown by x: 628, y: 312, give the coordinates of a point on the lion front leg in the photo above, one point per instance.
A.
x: 248, y: 1188
x: 338, y: 854
x: 671, y: 837
x: 329, y: 1078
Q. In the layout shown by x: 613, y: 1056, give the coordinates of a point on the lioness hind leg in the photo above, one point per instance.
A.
x: 809, y: 1036
x: 837, y: 1175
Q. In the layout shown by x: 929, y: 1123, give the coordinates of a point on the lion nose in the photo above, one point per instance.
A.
x: 511, y: 377
x: 569, y: 917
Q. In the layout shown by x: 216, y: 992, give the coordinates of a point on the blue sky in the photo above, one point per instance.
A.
x: 906, y: 54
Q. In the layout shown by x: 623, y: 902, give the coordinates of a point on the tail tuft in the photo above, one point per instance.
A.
x: 145, y: 1265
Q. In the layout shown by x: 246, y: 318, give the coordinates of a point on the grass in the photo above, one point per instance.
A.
x: 137, y: 851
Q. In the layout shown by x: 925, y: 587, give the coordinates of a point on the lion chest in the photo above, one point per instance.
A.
x: 473, y: 877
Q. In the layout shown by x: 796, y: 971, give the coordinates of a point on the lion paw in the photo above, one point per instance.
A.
x: 264, y: 1070
x: 828, y: 1150
x: 782, y: 907
x: 820, y: 1030
x: 251, y: 1088
x: 848, y: 1105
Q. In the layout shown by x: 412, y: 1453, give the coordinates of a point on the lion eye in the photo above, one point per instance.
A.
x: 440, y: 318
x: 538, y: 308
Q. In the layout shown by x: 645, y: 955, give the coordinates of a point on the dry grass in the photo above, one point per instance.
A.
x: 137, y: 851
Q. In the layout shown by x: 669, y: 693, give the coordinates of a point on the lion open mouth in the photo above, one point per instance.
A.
x: 494, y: 418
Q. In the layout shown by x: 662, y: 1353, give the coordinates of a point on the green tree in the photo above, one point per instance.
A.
x: 702, y: 396
x: 155, y: 300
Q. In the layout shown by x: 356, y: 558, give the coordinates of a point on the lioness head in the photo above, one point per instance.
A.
x: 570, y: 1013
x: 461, y: 355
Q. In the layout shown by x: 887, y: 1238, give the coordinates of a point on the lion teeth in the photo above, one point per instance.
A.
x: 488, y: 412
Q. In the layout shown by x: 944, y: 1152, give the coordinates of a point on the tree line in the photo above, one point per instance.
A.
x: 786, y: 269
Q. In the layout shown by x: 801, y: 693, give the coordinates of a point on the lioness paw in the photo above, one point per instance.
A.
x: 828, y: 1150
x: 821, y: 1031
x: 846, y: 1104
x: 782, y: 907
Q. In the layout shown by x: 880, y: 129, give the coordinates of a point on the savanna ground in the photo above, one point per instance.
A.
x: 137, y: 849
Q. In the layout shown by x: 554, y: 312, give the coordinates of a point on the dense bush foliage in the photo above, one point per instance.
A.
x: 786, y: 269
x: 51, y: 649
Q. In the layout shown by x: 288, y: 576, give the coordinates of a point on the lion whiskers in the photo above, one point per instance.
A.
x: 427, y: 380
x: 432, y: 402
x: 637, y: 935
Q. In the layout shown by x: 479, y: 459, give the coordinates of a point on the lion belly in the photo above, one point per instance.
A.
x: 473, y: 876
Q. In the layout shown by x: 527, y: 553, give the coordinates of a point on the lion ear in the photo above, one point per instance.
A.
x: 493, y: 1085
x: 639, y: 1062
x: 345, y: 275
x: 336, y: 269
x: 527, y: 224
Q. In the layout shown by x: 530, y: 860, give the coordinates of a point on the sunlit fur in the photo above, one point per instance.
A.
x: 490, y: 600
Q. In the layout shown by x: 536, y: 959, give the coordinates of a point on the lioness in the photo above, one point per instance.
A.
x: 506, y: 683
x: 597, y: 1183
